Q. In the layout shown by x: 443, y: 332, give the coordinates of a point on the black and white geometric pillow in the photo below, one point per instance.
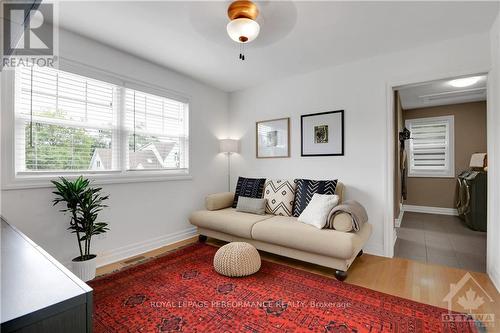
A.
x: 306, y: 189
x: 248, y: 187
x: 280, y: 194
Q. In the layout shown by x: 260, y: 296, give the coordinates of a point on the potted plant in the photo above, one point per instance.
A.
x: 83, y: 204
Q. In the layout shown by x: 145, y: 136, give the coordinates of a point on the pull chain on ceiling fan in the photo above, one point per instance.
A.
x: 243, y: 28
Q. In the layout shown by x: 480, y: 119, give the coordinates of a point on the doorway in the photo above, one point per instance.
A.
x: 440, y: 172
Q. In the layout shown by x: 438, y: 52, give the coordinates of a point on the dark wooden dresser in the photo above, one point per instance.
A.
x: 38, y: 293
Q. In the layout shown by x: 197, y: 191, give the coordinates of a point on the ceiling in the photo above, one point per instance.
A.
x: 440, y: 92
x: 296, y: 37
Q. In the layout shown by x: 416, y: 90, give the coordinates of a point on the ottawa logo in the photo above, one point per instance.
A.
x: 469, y: 297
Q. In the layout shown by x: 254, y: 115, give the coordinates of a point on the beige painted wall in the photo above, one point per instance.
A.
x: 470, y: 137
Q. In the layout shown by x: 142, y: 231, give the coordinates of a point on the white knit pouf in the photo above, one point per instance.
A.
x: 237, y: 259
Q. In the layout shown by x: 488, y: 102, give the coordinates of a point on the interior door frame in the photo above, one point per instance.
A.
x: 393, y: 85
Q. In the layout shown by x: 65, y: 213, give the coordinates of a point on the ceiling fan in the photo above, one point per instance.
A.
x: 243, y: 27
x: 212, y: 19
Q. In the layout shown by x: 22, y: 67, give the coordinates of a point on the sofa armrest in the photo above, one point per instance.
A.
x: 218, y: 201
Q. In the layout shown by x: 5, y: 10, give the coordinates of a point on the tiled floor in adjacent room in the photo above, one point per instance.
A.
x: 441, y: 240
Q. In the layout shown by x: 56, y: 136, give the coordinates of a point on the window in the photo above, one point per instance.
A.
x: 431, y: 147
x: 61, y: 119
x: 157, y: 132
x: 67, y: 123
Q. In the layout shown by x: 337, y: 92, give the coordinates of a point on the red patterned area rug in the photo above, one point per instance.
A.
x: 181, y: 292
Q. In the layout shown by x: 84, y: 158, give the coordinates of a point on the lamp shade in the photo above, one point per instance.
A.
x: 243, y: 30
x: 228, y: 146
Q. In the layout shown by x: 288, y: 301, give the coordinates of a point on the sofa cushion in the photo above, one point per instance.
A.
x: 305, y: 190
x: 288, y: 232
x: 227, y: 220
x: 248, y: 187
x: 280, y: 194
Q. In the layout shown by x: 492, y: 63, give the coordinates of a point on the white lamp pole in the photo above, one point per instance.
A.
x: 229, y: 171
x: 228, y: 146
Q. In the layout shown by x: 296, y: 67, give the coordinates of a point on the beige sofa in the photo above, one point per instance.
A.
x: 281, y: 235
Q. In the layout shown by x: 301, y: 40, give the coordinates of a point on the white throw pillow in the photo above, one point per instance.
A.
x: 318, y: 209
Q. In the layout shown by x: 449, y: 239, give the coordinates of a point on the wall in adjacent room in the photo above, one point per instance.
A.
x: 141, y: 215
x: 363, y: 90
x: 470, y: 137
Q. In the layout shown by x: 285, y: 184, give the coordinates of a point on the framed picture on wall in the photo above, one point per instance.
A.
x: 273, y: 138
x: 322, y: 134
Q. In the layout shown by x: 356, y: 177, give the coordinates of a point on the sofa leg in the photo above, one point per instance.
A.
x: 202, y: 238
x: 340, y: 275
x: 360, y: 253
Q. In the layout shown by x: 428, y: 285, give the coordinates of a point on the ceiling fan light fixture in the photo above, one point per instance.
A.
x: 242, y: 8
x: 242, y: 27
x: 243, y: 30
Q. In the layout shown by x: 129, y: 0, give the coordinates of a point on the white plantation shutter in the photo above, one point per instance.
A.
x: 157, y: 130
x: 61, y: 119
x: 431, y: 147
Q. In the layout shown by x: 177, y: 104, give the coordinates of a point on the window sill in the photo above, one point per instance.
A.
x: 44, y: 181
x: 423, y: 175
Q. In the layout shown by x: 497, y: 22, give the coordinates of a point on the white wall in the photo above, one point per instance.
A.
x: 494, y: 145
x: 361, y: 89
x: 141, y: 215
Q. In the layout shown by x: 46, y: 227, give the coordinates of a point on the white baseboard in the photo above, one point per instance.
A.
x: 375, y: 249
x: 495, y: 278
x: 430, y: 210
x: 398, y: 220
x: 135, y: 249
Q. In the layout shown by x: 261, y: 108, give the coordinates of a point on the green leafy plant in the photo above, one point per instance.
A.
x: 83, y: 204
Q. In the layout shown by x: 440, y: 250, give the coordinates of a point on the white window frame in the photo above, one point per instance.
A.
x: 41, y: 179
x: 449, y: 171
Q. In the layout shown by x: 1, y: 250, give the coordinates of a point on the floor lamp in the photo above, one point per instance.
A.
x: 229, y: 146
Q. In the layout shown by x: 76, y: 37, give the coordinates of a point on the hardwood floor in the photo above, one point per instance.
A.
x: 418, y: 281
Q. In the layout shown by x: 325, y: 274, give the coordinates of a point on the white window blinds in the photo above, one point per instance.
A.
x: 157, y: 131
x: 70, y: 123
x: 431, y: 148
x: 61, y: 119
